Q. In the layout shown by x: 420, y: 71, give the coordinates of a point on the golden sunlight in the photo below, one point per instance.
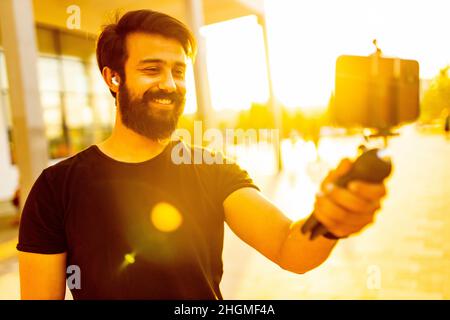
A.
x: 236, y: 63
x: 306, y: 37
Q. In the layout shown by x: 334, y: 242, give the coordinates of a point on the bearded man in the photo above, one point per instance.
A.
x: 138, y: 226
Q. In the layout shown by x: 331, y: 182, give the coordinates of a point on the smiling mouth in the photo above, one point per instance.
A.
x: 164, y: 103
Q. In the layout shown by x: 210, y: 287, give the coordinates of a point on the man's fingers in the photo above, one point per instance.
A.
x: 344, y: 211
x: 351, y: 202
x: 338, y: 220
x: 328, y: 212
x: 344, y: 166
x: 336, y: 214
x: 368, y: 191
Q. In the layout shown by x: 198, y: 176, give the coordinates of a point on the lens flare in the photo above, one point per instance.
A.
x: 165, y: 217
x: 129, y: 258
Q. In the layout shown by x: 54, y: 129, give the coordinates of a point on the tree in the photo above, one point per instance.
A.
x: 437, y: 97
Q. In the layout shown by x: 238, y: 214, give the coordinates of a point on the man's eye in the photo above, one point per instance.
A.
x: 152, y: 69
x: 179, y: 73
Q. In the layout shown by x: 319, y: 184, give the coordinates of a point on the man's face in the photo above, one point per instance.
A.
x: 152, y: 97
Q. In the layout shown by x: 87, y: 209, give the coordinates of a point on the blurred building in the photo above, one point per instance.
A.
x: 77, y: 108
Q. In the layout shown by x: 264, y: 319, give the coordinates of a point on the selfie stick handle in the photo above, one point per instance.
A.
x: 372, y: 166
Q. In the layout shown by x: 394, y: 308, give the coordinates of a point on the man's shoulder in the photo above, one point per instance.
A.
x: 59, y: 168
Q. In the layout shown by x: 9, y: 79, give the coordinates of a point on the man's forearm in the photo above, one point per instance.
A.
x: 298, y: 254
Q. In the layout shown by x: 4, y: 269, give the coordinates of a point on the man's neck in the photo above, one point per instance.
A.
x: 125, y: 145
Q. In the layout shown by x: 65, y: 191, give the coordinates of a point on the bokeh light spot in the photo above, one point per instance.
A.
x: 129, y: 258
x: 165, y: 217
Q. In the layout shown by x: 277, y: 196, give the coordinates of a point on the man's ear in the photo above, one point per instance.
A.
x: 111, y: 78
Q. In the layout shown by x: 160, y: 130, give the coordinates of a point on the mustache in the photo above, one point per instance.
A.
x: 176, y: 97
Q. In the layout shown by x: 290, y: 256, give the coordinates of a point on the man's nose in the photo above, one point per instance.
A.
x: 167, y: 83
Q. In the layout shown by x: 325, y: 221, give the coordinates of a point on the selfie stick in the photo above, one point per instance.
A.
x: 372, y: 166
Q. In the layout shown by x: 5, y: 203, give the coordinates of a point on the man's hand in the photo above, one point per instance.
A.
x: 347, y: 211
x: 263, y: 226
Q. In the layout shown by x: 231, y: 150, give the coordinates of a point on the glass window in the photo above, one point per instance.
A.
x: 74, y: 75
x: 51, y: 104
x: 104, y: 110
x: 52, y: 118
x: 3, y: 78
x: 98, y: 84
x: 4, y: 103
x: 78, y: 111
x: 4, y: 92
x: 48, y: 74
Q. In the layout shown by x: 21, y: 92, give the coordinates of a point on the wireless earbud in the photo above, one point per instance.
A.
x: 114, y: 81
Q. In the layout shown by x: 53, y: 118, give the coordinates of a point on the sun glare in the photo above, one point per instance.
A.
x: 236, y: 63
x: 305, y: 39
x: 191, y: 100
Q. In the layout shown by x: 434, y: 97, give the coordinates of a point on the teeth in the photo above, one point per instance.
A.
x: 163, y: 101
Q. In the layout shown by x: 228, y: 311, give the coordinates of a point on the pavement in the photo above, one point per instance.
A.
x: 405, y: 254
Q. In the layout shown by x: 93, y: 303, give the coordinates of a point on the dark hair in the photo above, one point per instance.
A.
x: 111, y: 44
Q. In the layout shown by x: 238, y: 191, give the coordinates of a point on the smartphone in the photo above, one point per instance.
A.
x: 375, y: 92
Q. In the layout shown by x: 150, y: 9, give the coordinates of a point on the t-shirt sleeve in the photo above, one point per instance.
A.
x: 42, y: 221
x: 231, y: 177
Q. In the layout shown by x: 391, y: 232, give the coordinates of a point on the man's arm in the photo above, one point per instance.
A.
x: 263, y: 226
x: 42, y: 276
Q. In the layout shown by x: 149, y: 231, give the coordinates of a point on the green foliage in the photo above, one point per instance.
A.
x: 437, y: 98
x: 259, y: 116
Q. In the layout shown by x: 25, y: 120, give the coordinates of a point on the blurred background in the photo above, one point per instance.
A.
x: 261, y: 64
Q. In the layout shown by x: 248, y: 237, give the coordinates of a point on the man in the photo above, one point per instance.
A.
x: 138, y: 226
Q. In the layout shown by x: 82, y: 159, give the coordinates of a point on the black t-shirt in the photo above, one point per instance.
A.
x: 102, y: 212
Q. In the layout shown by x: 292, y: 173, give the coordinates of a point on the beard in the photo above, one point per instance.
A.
x: 138, y: 114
